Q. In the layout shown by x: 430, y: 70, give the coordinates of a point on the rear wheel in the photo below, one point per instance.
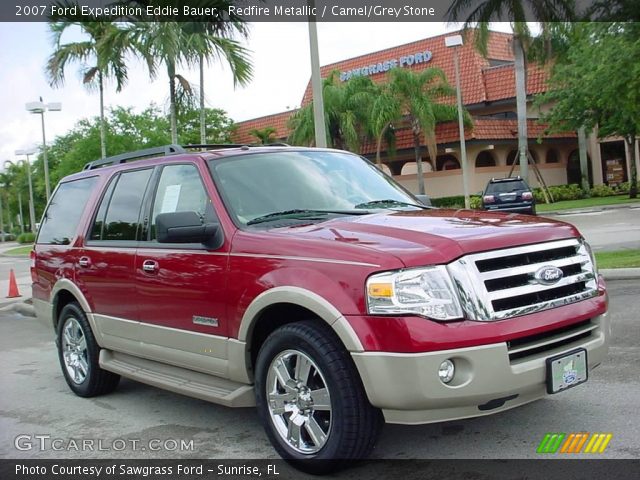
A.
x: 78, y: 353
x: 311, y: 401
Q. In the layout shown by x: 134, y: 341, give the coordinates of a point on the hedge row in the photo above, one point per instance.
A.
x: 559, y: 192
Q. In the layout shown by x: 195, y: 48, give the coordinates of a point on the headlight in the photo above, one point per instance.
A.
x: 421, y: 291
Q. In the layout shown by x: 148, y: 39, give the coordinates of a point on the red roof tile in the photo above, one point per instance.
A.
x: 278, y: 121
x: 483, y: 129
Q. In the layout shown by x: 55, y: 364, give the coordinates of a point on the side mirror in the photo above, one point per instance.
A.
x: 184, y: 227
x: 424, y: 200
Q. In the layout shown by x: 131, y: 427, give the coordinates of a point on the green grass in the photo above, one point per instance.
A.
x: 19, y: 251
x: 585, y: 203
x: 618, y: 259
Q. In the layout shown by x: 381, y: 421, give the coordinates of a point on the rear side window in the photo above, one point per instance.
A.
x: 61, y: 219
x: 118, y: 216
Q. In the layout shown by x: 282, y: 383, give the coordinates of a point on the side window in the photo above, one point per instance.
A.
x: 118, y: 216
x: 61, y: 219
x: 180, y: 189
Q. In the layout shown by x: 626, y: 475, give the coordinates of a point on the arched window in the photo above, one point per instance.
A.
x: 447, y: 162
x: 573, y: 168
x: 552, y: 156
x: 409, y: 168
x: 485, y: 159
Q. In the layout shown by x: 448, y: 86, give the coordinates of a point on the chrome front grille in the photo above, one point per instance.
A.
x: 508, y: 283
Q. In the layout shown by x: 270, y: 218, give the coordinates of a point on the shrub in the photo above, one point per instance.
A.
x: 26, y: 238
x: 448, y: 202
x: 476, y: 202
x: 602, y: 191
x: 456, y: 202
x: 8, y: 237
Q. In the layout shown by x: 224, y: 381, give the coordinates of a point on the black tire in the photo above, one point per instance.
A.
x: 352, y: 424
x: 95, y: 381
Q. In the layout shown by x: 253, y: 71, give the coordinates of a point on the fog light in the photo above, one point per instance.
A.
x: 446, y: 371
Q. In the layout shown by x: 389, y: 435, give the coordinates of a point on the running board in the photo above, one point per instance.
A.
x: 179, y: 380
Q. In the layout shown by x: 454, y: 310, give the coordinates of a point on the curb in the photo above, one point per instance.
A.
x: 600, y: 208
x: 24, y: 308
x: 620, y: 273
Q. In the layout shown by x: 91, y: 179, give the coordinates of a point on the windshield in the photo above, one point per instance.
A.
x: 260, y: 184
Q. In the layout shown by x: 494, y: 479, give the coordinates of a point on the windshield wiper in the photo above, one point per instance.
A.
x: 300, y: 214
x: 389, y: 203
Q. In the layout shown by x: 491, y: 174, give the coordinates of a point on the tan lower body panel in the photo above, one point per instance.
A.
x: 179, y: 380
x: 408, y: 390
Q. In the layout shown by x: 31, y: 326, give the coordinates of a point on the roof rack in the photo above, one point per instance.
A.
x: 165, y: 150
x: 216, y: 145
x: 125, y: 157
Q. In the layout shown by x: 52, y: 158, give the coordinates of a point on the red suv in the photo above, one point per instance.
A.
x: 308, y: 283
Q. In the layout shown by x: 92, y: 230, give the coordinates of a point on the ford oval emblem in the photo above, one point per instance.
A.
x: 548, y: 275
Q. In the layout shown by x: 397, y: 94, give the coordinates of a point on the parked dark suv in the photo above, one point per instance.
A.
x: 509, y: 195
x: 306, y: 282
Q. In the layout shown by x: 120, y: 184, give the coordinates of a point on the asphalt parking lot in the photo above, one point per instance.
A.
x: 137, y: 421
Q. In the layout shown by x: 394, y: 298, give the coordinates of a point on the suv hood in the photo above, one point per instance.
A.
x: 435, y: 236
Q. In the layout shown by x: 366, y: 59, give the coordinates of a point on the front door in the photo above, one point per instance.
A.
x: 181, y: 287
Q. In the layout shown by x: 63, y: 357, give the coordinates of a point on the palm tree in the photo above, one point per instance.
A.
x: 414, y: 98
x: 224, y: 25
x: 264, y: 135
x: 174, y: 43
x: 484, y: 11
x: 347, y: 110
x: 105, y: 50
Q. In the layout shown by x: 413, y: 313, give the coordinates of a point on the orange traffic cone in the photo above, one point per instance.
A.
x: 13, y: 286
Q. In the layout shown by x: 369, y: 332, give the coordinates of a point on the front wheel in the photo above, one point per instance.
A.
x: 311, y: 400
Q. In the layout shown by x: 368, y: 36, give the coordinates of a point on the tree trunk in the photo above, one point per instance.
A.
x: 416, y: 149
x: 171, y: 70
x: 584, y: 168
x: 521, y: 103
x: 633, y: 181
x: 379, y: 146
x: 203, y: 132
x: 103, y: 126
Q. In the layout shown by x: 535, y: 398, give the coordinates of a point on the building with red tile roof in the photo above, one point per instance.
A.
x: 488, y: 94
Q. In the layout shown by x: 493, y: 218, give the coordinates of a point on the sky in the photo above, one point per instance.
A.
x: 279, y: 51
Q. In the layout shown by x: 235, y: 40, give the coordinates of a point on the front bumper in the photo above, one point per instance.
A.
x: 407, y: 388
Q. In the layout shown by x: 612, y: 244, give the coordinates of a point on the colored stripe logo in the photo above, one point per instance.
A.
x: 581, y: 442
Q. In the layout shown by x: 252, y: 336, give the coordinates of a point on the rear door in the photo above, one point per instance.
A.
x: 180, y: 288
x: 105, y: 265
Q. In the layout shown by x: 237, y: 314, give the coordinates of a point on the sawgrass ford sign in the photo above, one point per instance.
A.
x: 380, y: 67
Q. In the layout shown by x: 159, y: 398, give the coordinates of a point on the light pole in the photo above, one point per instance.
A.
x: 40, y: 107
x: 454, y: 42
x: 32, y: 212
x: 316, y: 83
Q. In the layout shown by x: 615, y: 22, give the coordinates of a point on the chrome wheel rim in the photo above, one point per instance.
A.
x: 299, y: 402
x: 74, y: 351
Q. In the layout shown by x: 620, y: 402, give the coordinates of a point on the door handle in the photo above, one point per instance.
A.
x: 84, y: 261
x: 150, y: 266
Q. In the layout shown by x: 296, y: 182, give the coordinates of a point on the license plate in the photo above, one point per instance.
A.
x: 566, y: 370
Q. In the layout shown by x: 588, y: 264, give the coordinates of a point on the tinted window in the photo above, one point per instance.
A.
x: 98, y: 224
x: 507, y: 187
x: 121, y: 221
x: 181, y: 190
x: 61, y: 219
